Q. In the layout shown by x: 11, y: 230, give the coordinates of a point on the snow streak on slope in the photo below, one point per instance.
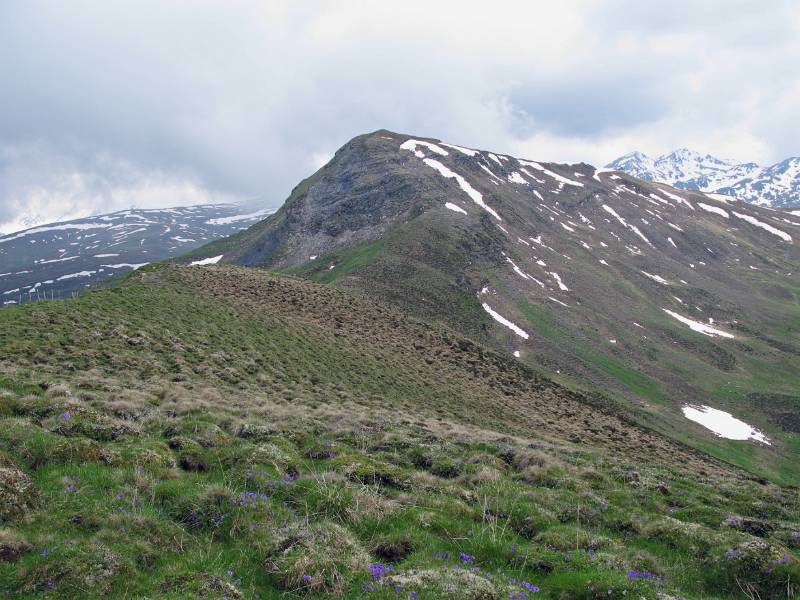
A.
x: 447, y: 173
x: 713, y: 209
x: 624, y: 223
x: 766, y: 226
x: 556, y: 176
x: 698, y: 326
x: 503, y: 321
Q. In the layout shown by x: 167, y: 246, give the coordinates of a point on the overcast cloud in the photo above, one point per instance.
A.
x: 107, y: 105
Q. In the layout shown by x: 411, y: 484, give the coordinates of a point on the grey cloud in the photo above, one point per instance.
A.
x: 241, y: 99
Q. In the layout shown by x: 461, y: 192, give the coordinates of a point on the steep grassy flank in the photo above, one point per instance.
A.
x: 604, y: 365
x: 330, y: 267
x: 219, y: 432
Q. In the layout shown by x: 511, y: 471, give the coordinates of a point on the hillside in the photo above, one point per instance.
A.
x: 776, y: 186
x: 57, y: 260
x: 667, y: 300
x: 226, y: 432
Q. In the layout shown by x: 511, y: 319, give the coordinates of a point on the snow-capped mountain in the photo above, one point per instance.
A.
x: 777, y: 186
x: 57, y: 259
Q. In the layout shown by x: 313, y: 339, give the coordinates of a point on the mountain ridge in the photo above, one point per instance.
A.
x: 592, y: 275
x: 62, y: 258
x: 775, y: 186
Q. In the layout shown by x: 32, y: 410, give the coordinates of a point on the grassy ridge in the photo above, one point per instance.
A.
x: 215, y: 432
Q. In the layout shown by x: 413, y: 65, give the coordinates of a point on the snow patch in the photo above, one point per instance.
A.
x: 598, y: 171
x: 624, y: 223
x: 767, y: 227
x: 411, y: 146
x: 560, y: 283
x: 714, y: 209
x: 461, y: 149
x: 211, y: 260
x: 64, y: 226
x: 476, y: 196
x: 54, y: 260
x: 556, y: 176
x: 657, y: 278
x: 723, y: 424
x: 133, y: 266
x: 698, y: 326
x: 485, y: 168
x: 455, y: 208
x: 495, y: 159
x: 720, y: 197
x: 503, y: 321
x: 678, y: 198
x: 79, y: 274
x: 236, y: 218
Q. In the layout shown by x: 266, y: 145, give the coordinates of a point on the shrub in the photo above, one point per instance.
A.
x: 73, y: 570
x: 272, y: 455
x: 253, y: 432
x: 322, y: 558
x: 760, y: 569
x: 324, y: 496
x: 91, y: 425
x: 12, y: 545
x: 208, y: 435
x: 150, y: 454
x: 199, y: 585
x: 18, y: 495
x: 462, y: 583
x: 691, y: 537
x: 369, y: 470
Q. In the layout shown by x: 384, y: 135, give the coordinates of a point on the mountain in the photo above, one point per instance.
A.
x: 663, y: 298
x: 777, y: 186
x: 58, y: 259
x: 472, y: 376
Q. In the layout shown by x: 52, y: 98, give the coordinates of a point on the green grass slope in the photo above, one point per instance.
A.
x: 227, y: 433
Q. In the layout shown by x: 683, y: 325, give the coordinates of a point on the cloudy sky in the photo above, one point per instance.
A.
x: 153, y: 103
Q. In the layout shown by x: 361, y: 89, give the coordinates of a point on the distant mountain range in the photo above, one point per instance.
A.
x: 57, y: 259
x: 776, y: 186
